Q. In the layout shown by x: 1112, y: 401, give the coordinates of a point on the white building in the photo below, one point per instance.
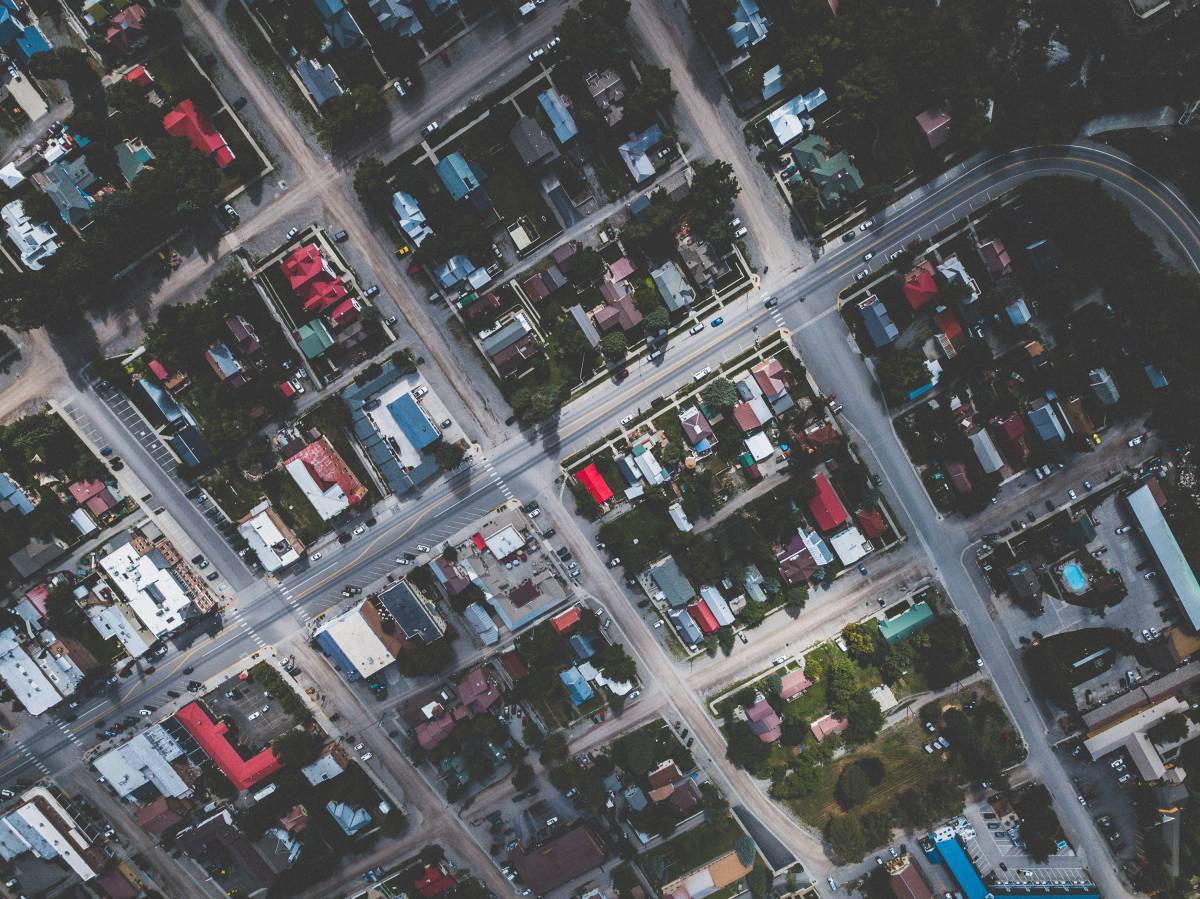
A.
x: 504, y: 542
x: 146, y: 758
x: 119, y: 621
x: 850, y: 545
x: 675, y: 510
x: 42, y: 826
x: 150, y: 586
x: 24, y: 678
x: 36, y: 241
x: 270, y: 544
x: 353, y: 645
x: 56, y: 662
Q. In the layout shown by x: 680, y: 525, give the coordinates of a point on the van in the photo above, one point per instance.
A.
x: 526, y: 10
x: 657, y: 354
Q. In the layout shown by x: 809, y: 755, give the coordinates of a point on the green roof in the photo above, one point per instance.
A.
x: 833, y: 174
x: 906, y: 624
x: 314, y: 339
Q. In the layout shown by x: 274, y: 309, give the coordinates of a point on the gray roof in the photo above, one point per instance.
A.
x: 320, y: 80
x: 880, y: 327
x: 410, y: 611
x: 985, y: 450
x: 395, y: 16
x: 1166, y: 550
x: 506, y: 336
x: 672, y: 287
x: 635, y: 153
x: 1045, y: 422
x: 66, y: 184
x: 686, y: 626
x: 670, y: 580
x: 531, y: 142
x: 585, y: 325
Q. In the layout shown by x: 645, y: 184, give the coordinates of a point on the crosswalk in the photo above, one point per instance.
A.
x: 33, y: 759
x: 241, y: 621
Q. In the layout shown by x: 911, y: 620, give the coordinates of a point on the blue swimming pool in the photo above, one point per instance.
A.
x: 1074, y: 578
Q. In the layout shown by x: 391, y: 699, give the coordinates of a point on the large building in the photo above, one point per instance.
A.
x: 412, y: 612
x: 210, y: 736
x: 354, y: 643
x: 1146, y: 511
x: 559, y: 860
x: 1130, y: 734
x: 272, y: 541
x: 944, y: 848
x: 325, y: 479
x: 147, y: 758
x: 26, y: 681
x: 149, y: 582
x: 42, y: 826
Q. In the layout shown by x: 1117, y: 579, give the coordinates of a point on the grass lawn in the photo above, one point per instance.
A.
x: 906, y: 765
x: 231, y: 491
x: 815, y: 701
x: 692, y: 849
x: 293, y: 507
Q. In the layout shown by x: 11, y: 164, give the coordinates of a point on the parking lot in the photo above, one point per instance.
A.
x: 995, y: 851
x: 248, y: 699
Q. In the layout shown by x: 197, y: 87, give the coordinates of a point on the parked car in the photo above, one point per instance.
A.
x: 1124, y: 529
x: 361, y: 529
x: 429, y: 129
x: 696, y: 328
x: 717, y: 322
x: 703, y: 373
x: 868, y: 256
x: 626, y: 420
x: 341, y: 236
x: 1136, y: 441
x: 861, y: 276
x: 867, y: 225
x: 537, y: 53
x: 372, y: 291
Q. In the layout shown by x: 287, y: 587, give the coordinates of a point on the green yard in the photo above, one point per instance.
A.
x: 691, y: 849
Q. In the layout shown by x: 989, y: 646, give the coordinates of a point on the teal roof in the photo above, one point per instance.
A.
x: 906, y: 624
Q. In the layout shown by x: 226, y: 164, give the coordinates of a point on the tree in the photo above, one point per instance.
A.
x: 653, y: 93
x: 593, y: 33
x: 758, y: 881
x: 745, y: 748
x: 298, y: 747
x: 774, y: 684
x: 371, y: 184
x: 617, y: 664
x: 657, y: 318
x: 714, y: 188
x: 636, y: 752
x: 523, y: 777
x: 1040, y: 826
x: 346, y: 117
x: 419, y: 659
x: 1172, y: 729
x: 554, y: 748
x: 846, y: 837
x: 795, y: 596
x: 746, y: 851
x: 587, y: 265
x: 852, y: 787
x: 903, y: 370
x: 860, y: 640
x: 449, y: 455
x: 866, y: 718
x: 720, y: 393
x: 713, y: 801
x: 614, y: 344
x: 38, y: 206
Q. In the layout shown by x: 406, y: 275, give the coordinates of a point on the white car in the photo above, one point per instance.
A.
x: 867, y: 257
x: 367, y: 756
x: 537, y: 54
x: 778, y: 661
x: 534, y: 513
x: 429, y: 129
x: 420, y: 391
x: 696, y: 329
x: 315, y: 557
x: 740, y: 233
x: 422, y: 548
x: 832, y: 883
x: 1072, y: 494
x: 867, y: 225
x: 626, y: 420
x: 361, y: 529
x: 1136, y: 441
x: 703, y: 373
x: 253, y: 715
x: 862, y: 275
x: 292, y: 233
x: 265, y: 708
x: 360, y: 747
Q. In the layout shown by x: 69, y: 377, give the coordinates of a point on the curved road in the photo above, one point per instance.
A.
x: 527, y: 461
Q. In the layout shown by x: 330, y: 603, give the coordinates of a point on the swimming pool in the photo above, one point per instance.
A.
x: 1074, y: 578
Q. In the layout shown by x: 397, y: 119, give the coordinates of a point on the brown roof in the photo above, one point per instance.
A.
x: 514, y: 664
x: 158, y: 817
x: 744, y: 415
x: 559, y: 860
x: 666, y: 773
x: 909, y: 884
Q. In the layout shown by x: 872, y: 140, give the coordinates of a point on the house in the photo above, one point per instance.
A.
x: 828, y: 726
x: 1010, y: 435
x: 764, y: 721
x: 511, y: 347
x: 36, y: 242
x: 13, y: 496
x: 880, y: 327
x: 745, y: 418
x: 415, y: 616
x: 949, y: 335
x: 440, y: 7
x: 325, y: 479
x: 985, y: 450
x: 578, y: 689
x: 1077, y: 418
x: 313, y: 338
x: 340, y: 24
x: 676, y: 589
x: 67, y: 183
x: 410, y: 217
x: 635, y: 152
x: 697, y: 430
x: 772, y: 380
x: 188, y: 122
x: 594, y: 483
x: 533, y: 146
x: 825, y: 506
x: 320, y: 80
x: 395, y: 16
x: 607, y: 90
x: 959, y: 477
x: 1018, y: 313
x: 793, y: 684
x: 458, y: 176
x: 935, y: 126
x: 243, y: 334
x: 919, y: 286
x: 564, y: 622
x: 1104, y: 386
x: 902, y: 626
x: 566, y: 856
x: 679, y: 517
x: 772, y: 85
x: 459, y: 270
x: 702, y: 264
x: 124, y: 31
x: 791, y: 120
x: 796, y: 562
x: 269, y: 538
x: 1024, y: 582
x: 1045, y: 422
x: 561, y: 120
x: 620, y: 313
x: 94, y: 495
x: 1156, y: 530
x: 133, y: 157
x: 834, y: 174
x: 850, y: 545
x: 995, y: 257
x: 749, y: 25
x: 225, y: 365
x: 685, y: 626
x: 716, y: 603
x: 25, y: 680
x: 676, y: 293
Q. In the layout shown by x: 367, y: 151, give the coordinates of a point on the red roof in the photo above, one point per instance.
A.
x: 322, y: 292
x: 327, y: 468
x: 995, y: 257
x: 476, y: 693
x: 38, y: 596
x: 82, y: 491
x: 286, y: 388
x: 770, y: 377
x: 743, y: 414
x: 828, y: 726
x: 792, y: 685
x: 159, y: 370
x: 296, y: 820
x: 621, y: 269
x: 935, y: 123
x: 242, y: 773
x: 186, y: 121
x: 431, y: 733
x: 1010, y: 434
x: 564, y: 622
x: 909, y: 884
x: 433, y: 881
x: 919, y: 288
x: 591, y: 479
x: 514, y: 664
x: 480, y: 543
x: 947, y: 322
x: 140, y: 76
x: 302, y: 265
x: 959, y: 477
x: 825, y: 506
x: 125, y: 27
x: 344, y: 313
x: 704, y: 616
x: 871, y: 523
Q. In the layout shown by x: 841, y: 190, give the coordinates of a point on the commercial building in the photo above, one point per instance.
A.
x: 672, y: 585
x: 27, y: 682
x: 146, y: 758
x: 944, y: 848
x: 272, y: 541
x: 415, y: 615
x: 899, y: 627
x: 325, y: 479
x: 559, y: 860
x: 150, y: 582
x: 353, y: 644
x: 1167, y: 552
x: 41, y: 825
x: 1130, y: 734
x: 210, y: 736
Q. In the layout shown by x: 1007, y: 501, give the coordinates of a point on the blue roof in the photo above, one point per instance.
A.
x: 412, y: 421
x: 772, y: 82
x: 878, y: 323
x: 329, y: 8
x: 973, y: 887
x: 458, y: 175
x: 189, y: 444
x: 577, y: 687
x: 340, y: 661
x: 437, y: 7
x: 627, y: 471
x: 170, y: 410
x: 13, y: 495
x: 222, y: 357
x: 560, y: 117
x: 454, y: 271
x: 1018, y: 312
x: 10, y: 28
x: 749, y: 25
x: 1157, y: 379
x: 32, y: 42
x: 582, y: 646
x: 485, y: 628
x: 349, y: 818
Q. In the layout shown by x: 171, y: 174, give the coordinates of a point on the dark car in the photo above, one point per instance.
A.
x: 849, y: 236
x: 213, y: 576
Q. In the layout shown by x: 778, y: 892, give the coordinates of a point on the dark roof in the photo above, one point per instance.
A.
x: 531, y: 142
x: 411, y: 614
x: 559, y: 860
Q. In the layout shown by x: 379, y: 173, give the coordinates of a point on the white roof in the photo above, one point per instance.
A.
x: 267, y: 541
x: 717, y: 605
x: 326, y: 767
x: 649, y: 467
x: 37, y: 241
x: 816, y: 546
x: 411, y: 218
x: 115, y: 621
x: 57, y: 664
x: 699, y: 884
x: 150, y: 587
x: 504, y: 542
x: 1118, y: 734
x: 760, y: 446
x: 884, y: 696
x: 850, y: 545
x: 83, y: 522
x: 790, y: 120
x: 25, y: 679
x: 953, y: 268
x: 359, y: 644
x: 50, y: 838
x: 675, y: 510
x: 761, y: 410
x: 146, y: 758
x: 328, y: 503
x: 1166, y: 549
